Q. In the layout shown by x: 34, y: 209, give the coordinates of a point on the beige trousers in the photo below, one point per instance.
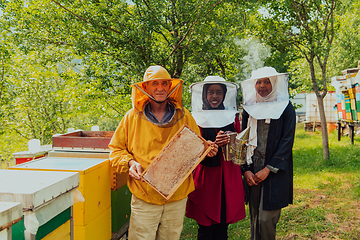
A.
x: 161, y: 222
x: 263, y: 223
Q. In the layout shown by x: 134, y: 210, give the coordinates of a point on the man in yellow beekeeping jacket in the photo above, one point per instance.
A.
x: 156, y: 116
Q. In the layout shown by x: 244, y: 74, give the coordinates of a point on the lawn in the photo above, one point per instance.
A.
x: 326, y: 193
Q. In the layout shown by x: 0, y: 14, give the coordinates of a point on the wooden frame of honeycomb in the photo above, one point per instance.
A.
x: 176, y: 161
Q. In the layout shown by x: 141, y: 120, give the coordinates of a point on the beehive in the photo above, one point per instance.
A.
x: 44, y: 196
x: 94, y: 185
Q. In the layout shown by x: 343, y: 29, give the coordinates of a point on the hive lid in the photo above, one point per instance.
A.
x: 79, y: 154
x: 350, y: 71
x: 69, y: 164
x: 35, y: 188
x: 9, y: 212
x: 27, y: 154
x: 86, y: 140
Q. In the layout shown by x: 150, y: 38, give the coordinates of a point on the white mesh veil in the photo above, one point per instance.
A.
x: 216, y: 117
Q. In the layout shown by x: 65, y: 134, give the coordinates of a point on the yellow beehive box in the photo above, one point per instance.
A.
x: 61, y: 233
x: 348, y: 115
x: 351, y: 93
x: 94, y: 184
x: 96, y: 189
x: 117, y: 180
x: 353, y: 104
x: 97, y: 229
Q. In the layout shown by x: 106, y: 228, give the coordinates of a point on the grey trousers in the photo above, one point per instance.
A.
x: 263, y: 223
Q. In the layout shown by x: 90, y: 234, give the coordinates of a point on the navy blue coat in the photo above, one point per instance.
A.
x: 278, y: 187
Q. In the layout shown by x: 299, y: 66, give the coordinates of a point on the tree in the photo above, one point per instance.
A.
x: 346, y: 49
x: 43, y: 94
x: 134, y: 34
x: 310, y: 26
x: 115, y: 41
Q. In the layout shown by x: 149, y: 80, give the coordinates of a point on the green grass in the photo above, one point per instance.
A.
x: 326, y: 193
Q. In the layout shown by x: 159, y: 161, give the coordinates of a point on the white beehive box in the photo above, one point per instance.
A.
x: 43, y: 195
x: 10, y: 213
x: 312, y: 108
x: 33, y: 188
x: 92, y: 217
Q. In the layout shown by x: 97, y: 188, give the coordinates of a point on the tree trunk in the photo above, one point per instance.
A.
x: 324, y: 133
x: 320, y: 97
x: 178, y: 63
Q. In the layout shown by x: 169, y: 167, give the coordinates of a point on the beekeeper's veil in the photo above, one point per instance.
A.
x: 140, y: 97
x: 268, y: 107
x: 271, y: 106
x: 206, y: 116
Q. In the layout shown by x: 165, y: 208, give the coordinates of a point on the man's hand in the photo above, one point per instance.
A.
x: 135, y: 169
x: 261, y: 175
x: 249, y: 178
x: 222, y: 139
x: 214, y: 149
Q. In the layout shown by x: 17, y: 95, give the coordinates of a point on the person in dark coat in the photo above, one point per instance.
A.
x: 269, y: 168
x: 218, y: 199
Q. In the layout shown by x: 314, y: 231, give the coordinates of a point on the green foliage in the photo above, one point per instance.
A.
x: 133, y: 35
x: 346, y: 51
x: 310, y: 27
x: 74, y: 61
x: 41, y: 94
x: 306, y: 29
x: 10, y: 143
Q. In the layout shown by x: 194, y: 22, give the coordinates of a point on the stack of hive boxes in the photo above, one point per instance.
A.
x: 347, y: 91
x: 352, y: 100
x: 340, y: 99
x: 92, y: 216
x: 46, y: 200
x: 357, y: 98
x: 312, y: 108
x: 93, y: 146
x: 105, y: 212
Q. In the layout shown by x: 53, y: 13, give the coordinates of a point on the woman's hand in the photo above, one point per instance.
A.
x: 135, y: 169
x: 214, y: 149
x: 261, y: 175
x: 222, y: 138
x: 249, y: 178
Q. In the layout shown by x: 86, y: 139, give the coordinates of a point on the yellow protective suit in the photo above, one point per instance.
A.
x: 139, y: 139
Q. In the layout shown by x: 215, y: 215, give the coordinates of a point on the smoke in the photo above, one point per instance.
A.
x: 255, y: 55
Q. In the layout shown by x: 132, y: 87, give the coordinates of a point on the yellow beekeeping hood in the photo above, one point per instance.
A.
x: 140, y: 96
